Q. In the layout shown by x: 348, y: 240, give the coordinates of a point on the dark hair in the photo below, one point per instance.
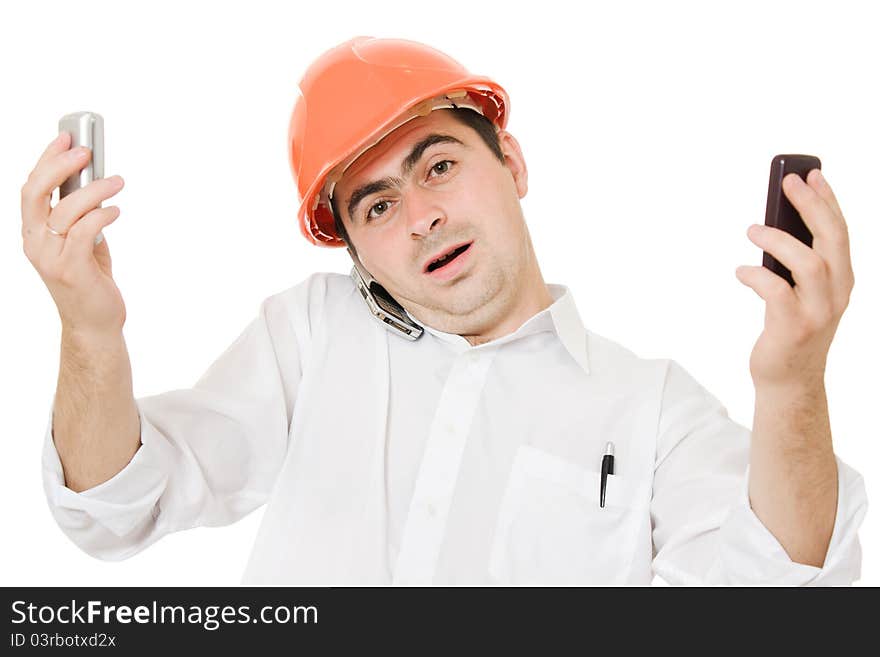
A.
x: 476, y: 121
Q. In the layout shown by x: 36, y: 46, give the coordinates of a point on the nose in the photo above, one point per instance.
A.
x: 423, y: 212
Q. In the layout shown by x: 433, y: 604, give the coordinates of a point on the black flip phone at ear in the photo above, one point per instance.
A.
x: 780, y: 212
x: 382, y: 305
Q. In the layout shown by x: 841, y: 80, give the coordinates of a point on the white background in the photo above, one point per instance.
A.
x: 648, y: 129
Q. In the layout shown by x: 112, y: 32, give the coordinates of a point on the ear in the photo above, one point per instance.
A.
x: 514, y: 161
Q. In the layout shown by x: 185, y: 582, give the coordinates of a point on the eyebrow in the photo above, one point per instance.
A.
x: 409, y: 162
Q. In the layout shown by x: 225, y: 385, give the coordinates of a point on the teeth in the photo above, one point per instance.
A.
x: 439, y: 262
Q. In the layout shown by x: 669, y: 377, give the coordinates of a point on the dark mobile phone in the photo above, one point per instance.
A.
x: 780, y: 212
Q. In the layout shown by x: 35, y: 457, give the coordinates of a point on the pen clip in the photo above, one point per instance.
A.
x: 607, y: 469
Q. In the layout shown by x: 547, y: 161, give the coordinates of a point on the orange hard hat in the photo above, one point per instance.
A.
x: 355, y: 94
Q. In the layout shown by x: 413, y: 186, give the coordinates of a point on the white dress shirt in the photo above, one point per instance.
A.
x: 388, y: 461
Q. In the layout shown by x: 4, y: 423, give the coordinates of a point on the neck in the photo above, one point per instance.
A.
x: 531, y: 296
x: 531, y: 306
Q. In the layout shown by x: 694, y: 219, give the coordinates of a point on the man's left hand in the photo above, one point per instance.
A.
x: 800, y: 321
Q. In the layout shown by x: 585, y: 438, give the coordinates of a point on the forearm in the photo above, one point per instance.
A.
x: 95, y: 424
x: 792, y: 471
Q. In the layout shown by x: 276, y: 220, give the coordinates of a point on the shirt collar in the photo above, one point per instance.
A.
x: 560, y: 317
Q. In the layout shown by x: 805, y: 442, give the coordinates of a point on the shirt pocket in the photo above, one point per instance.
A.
x: 552, y: 531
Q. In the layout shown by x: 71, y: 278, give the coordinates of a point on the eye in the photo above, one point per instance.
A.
x: 443, y: 169
x: 381, y: 204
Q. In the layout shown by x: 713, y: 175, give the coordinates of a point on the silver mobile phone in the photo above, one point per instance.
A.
x: 86, y: 129
x: 382, y: 305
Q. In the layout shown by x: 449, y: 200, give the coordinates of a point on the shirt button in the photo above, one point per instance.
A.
x: 432, y: 510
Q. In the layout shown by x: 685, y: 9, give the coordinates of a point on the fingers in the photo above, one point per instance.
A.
x: 80, y: 240
x: 818, y: 207
x: 73, y: 206
x: 35, y: 206
x: 786, y: 248
x: 770, y: 287
x: 810, y: 272
x: 70, y: 210
x: 817, y: 181
x: 58, y: 145
x: 55, y: 166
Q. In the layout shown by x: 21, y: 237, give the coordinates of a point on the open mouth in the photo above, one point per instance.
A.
x: 449, y: 257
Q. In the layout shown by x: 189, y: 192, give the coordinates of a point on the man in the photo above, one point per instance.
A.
x: 464, y: 442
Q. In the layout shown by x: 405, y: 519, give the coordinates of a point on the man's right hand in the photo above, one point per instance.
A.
x: 76, y: 271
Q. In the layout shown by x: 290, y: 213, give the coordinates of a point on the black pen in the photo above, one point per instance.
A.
x: 607, y: 469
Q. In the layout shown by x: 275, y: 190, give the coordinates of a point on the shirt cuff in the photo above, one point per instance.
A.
x: 119, y: 504
x: 753, y: 556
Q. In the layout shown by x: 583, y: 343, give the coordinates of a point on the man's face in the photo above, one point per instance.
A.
x: 454, y: 191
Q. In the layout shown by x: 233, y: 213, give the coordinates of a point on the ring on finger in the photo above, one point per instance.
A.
x: 55, y: 232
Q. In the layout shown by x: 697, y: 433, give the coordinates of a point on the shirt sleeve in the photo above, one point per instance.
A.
x: 704, y: 529
x: 209, y: 455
